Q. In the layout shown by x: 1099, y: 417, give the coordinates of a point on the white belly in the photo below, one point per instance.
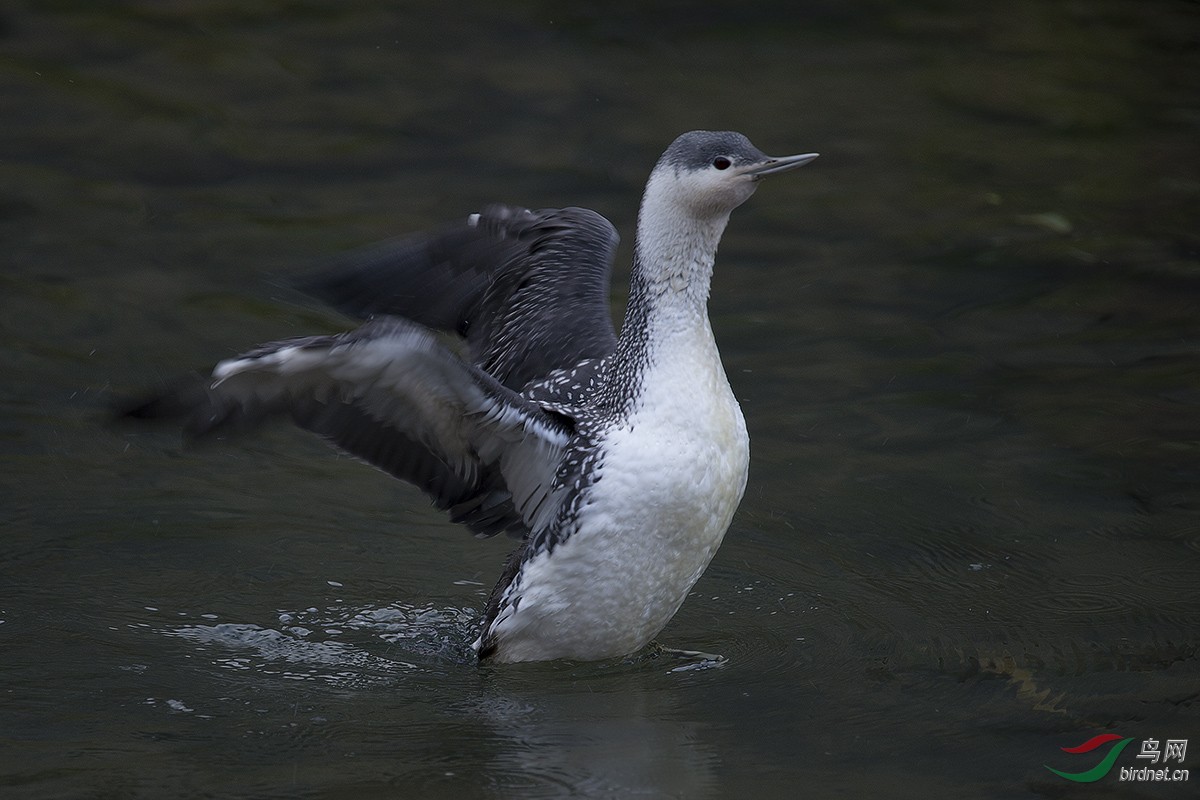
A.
x: 670, y: 480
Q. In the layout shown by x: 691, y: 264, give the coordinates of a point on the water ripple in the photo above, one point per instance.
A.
x: 1088, y: 594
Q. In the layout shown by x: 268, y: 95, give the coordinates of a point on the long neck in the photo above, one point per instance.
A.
x: 669, y: 285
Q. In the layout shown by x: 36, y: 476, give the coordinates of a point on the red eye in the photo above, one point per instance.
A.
x: 721, y: 162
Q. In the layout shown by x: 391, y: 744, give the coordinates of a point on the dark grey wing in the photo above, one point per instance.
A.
x: 390, y: 394
x: 528, y: 289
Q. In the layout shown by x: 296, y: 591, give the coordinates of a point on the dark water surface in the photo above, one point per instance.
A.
x: 965, y: 340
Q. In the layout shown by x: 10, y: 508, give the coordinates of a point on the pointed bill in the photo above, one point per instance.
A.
x: 776, y: 165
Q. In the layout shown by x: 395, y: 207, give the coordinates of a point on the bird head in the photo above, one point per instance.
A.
x: 710, y: 173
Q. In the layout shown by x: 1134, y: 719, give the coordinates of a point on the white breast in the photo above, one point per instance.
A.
x: 671, y: 476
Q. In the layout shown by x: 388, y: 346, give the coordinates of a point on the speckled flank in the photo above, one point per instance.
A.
x: 656, y: 507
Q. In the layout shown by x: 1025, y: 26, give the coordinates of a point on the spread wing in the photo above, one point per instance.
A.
x: 392, y: 395
x: 528, y: 289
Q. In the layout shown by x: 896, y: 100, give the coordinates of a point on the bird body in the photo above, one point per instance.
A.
x: 617, y: 461
x: 666, y: 479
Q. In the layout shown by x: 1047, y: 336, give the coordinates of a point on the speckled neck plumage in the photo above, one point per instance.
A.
x: 670, y: 281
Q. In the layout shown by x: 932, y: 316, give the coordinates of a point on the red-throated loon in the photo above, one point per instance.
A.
x: 617, y: 461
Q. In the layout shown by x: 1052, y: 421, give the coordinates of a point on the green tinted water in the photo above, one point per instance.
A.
x: 965, y: 342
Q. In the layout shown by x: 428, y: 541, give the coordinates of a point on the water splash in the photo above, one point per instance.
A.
x: 337, y: 645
